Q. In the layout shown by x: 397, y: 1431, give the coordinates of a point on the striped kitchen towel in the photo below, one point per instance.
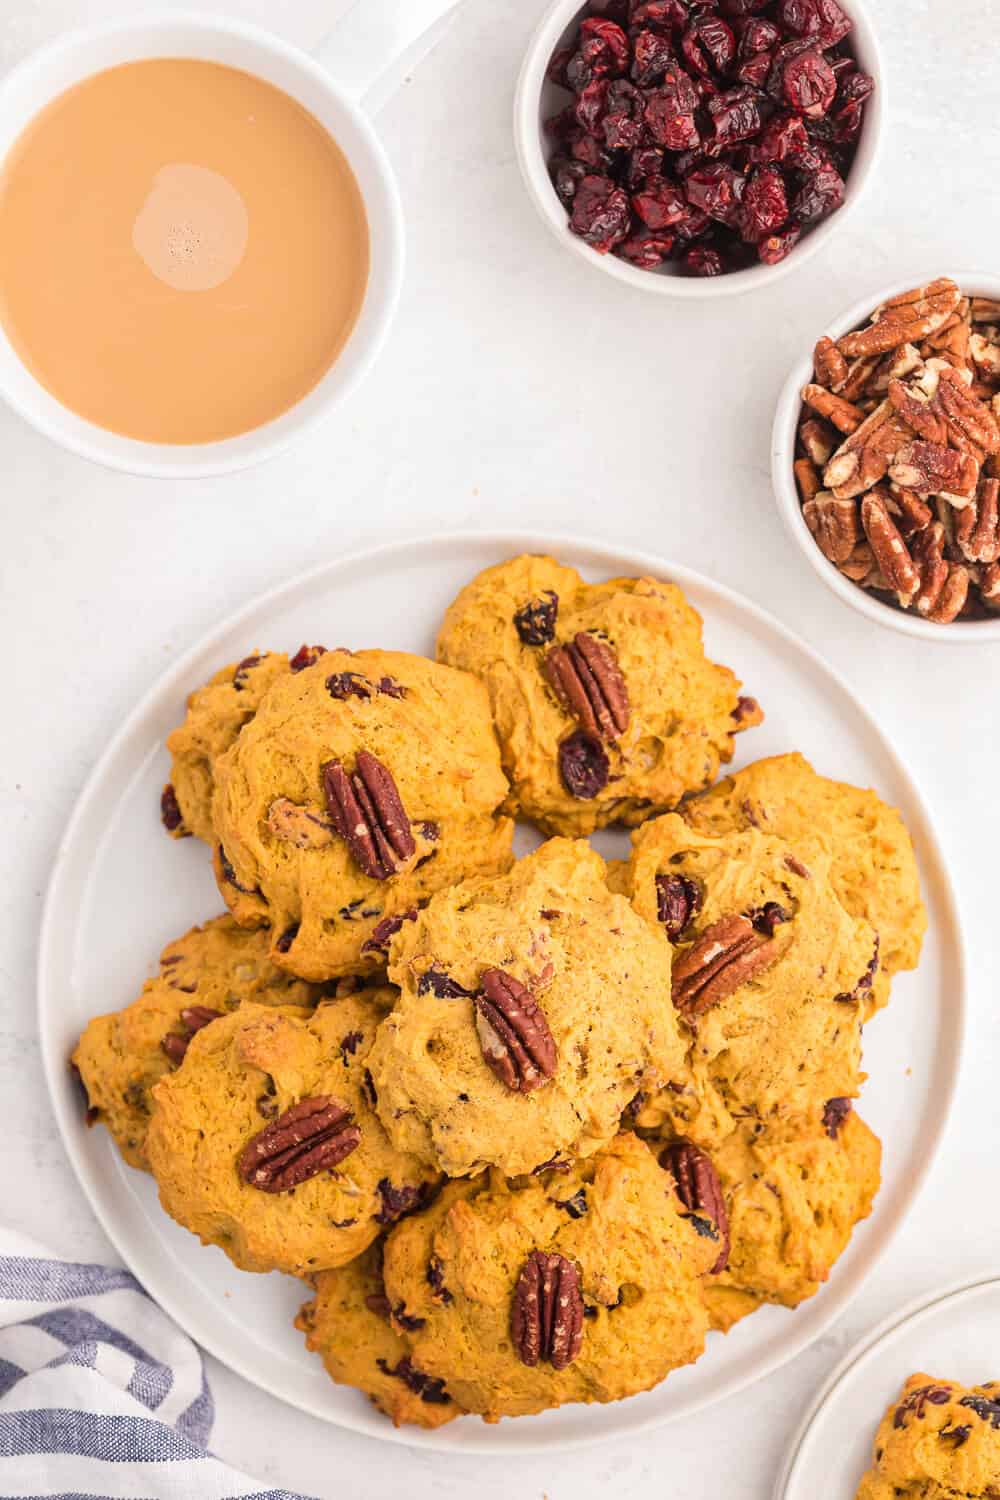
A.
x: 101, y: 1396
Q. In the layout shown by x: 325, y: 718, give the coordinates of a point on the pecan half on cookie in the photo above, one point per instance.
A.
x: 586, y: 678
x: 700, y: 1191
x: 366, y: 810
x: 311, y: 1137
x: 547, y: 1317
x: 514, y: 1033
x: 727, y: 954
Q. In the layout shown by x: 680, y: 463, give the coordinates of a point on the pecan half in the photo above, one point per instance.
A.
x: 844, y: 415
x: 918, y: 411
x: 908, y: 318
x: 311, y: 1137
x: 819, y: 440
x: 728, y: 953
x: 678, y: 899
x: 807, y: 478
x: 929, y: 559
x: 969, y: 420
x: 890, y: 550
x: 517, y: 1044
x: 977, y: 527
x: 193, y: 1018
x: 835, y: 525
x: 864, y: 457
x: 297, y: 825
x: 931, y: 469
x: 587, y: 680
x: 830, y: 365
x: 366, y: 810
x: 547, y: 1315
x: 953, y: 596
x: 700, y: 1191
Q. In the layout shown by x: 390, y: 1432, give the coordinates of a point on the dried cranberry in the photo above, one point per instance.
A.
x: 535, y: 622
x: 661, y: 205
x: 622, y: 123
x: 709, y: 44
x: 644, y: 165
x: 769, y: 916
x: 765, y: 204
x: 427, y: 1387
x: 578, y: 72
x: 845, y: 119
x: 170, y: 810
x: 835, y: 1112
x: 672, y: 15
x: 783, y: 137
x: 306, y: 656
x: 701, y: 260
x: 808, y: 84
x: 757, y: 35
x: 592, y: 104
x: 398, y: 1201
x: 583, y: 765
x: 776, y: 246
x: 737, y: 115
x: 286, y: 939
x: 651, y: 56
x: 670, y: 112
x: 822, y: 19
x: 556, y: 70
x: 386, y: 929
x: 693, y: 225
x: 647, y: 251
x: 741, y: 8
x: 604, y: 45
x: 821, y: 195
x: 590, y: 150
x: 756, y: 69
x: 600, y: 213
x: 435, y: 981
x: 717, y: 190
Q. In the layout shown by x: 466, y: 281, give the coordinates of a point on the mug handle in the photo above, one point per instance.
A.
x: 371, y: 48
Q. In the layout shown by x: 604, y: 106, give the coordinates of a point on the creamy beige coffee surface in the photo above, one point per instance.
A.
x: 183, y: 250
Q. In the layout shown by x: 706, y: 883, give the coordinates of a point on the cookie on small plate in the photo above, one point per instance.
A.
x: 584, y: 1286
x: 348, y: 1325
x: 938, y: 1441
x: 532, y: 1009
x: 208, y: 972
x: 607, y: 708
x: 363, y: 784
x: 265, y: 1141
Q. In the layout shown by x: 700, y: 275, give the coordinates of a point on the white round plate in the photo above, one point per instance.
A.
x: 952, y: 1335
x: 121, y: 890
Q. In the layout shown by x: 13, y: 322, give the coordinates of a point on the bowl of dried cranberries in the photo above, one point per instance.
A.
x: 699, y: 147
x: 885, y: 457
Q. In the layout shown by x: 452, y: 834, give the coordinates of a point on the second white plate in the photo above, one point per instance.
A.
x: 121, y: 890
x: 952, y: 1335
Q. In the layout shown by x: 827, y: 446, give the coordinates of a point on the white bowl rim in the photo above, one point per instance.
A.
x: 532, y: 162
x: 111, y: 450
x: 975, y: 283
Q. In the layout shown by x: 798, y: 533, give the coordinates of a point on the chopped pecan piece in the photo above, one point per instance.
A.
x: 678, y: 900
x: 365, y: 809
x: 311, y: 1137
x: 908, y: 510
x: 985, y: 357
x: 977, y: 527
x: 297, y: 825
x: 830, y: 365
x: 858, y: 384
x: 818, y: 440
x: 985, y: 310
x: 929, y: 560
x: 952, y: 598
x: 587, y: 680
x: 807, y: 478
x: 969, y: 421
x: 989, y: 586
x: 890, y: 550
x: 860, y: 564
x: 905, y: 319
x: 834, y: 523
x: 918, y: 412
x: 547, y: 1315
x: 535, y: 622
x: 931, y: 469
x: 517, y: 1044
x: 700, y: 1191
x: 728, y: 954
x: 844, y: 415
x: 193, y: 1018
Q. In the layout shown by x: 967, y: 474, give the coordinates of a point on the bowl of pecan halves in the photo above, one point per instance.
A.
x: 886, y: 458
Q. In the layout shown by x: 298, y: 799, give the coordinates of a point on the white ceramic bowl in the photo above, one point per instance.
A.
x: 974, y: 283
x: 537, y: 99
x: 363, y: 51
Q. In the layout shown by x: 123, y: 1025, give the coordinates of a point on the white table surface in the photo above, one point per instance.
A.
x: 518, y: 389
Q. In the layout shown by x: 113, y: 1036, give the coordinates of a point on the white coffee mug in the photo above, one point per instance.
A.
x: 358, y: 64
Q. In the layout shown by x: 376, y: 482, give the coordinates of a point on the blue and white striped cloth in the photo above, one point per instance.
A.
x: 101, y: 1396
